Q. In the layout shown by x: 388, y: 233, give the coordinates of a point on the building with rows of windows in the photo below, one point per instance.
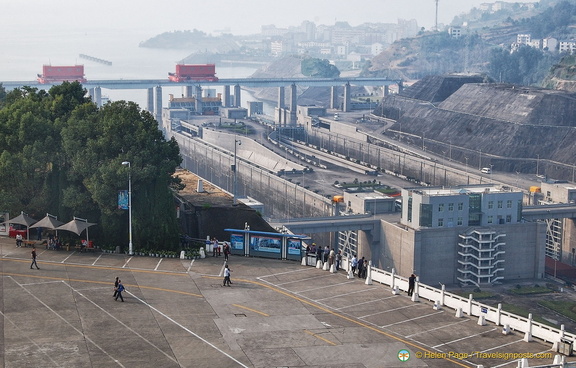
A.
x: 469, y: 235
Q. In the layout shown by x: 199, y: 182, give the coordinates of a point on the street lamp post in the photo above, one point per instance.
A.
x: 130, y: 252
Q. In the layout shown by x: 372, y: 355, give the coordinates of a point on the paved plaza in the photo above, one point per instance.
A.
x: 276, y: 313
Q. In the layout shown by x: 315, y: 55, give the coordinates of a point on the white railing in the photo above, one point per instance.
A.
x: 472, y: 308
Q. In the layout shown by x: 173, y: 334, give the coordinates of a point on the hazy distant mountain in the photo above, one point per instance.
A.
x: 193, y: 41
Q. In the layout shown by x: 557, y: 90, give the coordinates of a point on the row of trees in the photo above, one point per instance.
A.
x: 61, y: 154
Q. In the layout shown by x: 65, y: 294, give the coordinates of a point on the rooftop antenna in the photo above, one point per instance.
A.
x: 436, y: 22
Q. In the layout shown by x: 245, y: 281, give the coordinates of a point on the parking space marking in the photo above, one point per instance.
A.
x: 251, y: 310
x: 389, y: 310
x: 93, y: 263
x: 437, y: 328
x: 464, y: 338
x: 500, y: 346
x: 283, y: 273
x: 128, y: 260
x: 122, y: 323
x: 157, y: 265
x: 68, y: 323
x: 65, y: 259
x: 103, y: 282
x: 40, y: 283
x: 367, y: 302
x: 344, y: 294
x: 319, y: 288
x: 411, y: 319
x: 190, y: 267
x: 320, y: 337
x: 97, y: 267
x: 38, y: 347
x: 351, y: 319
x: 189, y: 331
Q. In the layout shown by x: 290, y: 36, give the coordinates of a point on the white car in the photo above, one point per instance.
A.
x: 486, y: 170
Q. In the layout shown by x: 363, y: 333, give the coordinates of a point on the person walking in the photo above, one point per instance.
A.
x: 338, y: 260
x: 34, y: 259
x: 116, y: 282
x: 226, y: 276
x: 226, y: 251
x: 119, y: 290
x: 411, y: 283
x: 18, y: 240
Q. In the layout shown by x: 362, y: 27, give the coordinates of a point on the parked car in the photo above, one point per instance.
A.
x: 486, y: 170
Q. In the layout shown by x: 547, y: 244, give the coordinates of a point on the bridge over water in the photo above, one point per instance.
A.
x: 154, y: 87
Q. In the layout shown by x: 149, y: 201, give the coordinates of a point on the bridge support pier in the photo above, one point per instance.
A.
x: 98, y: 96
x: 188, y: 91
x: 158, y: 107
x: 334, y: 97
x: 237, y: 96
x: 226, y: 101
x: 280, y: 108
x: 151, y: 100
x: 347, y: 97
x: 293, y: 104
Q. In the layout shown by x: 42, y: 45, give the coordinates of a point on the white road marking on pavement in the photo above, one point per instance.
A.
x: 190, y: 267
x: 65, y: 259
x: 389, y: 310
x: 158, y: 265
x: 411, y: 319
x: 129, y: 259
x: 437, y: 328
x: 188, y: 330
x: 463, y: 338
x: 97, y: 259
x: 68, y: 323
x: 123, y: 324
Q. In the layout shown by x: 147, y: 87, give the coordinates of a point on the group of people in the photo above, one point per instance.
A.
x: 325, y: 255
x: 217, y: 250
x: 359, y: 266
x: 54, y: 242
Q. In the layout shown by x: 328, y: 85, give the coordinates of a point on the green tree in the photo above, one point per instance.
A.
x: 60, y: 154
x: 320, y: 68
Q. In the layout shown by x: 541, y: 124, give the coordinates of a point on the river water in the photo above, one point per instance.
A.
x: 25, y: 52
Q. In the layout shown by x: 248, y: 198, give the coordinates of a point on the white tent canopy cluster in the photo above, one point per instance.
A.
x: 77, y: 225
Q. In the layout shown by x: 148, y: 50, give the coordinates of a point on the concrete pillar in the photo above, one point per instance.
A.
x: 98, y: 96
x: 347, y: 98
x: 198, y: 104
x: 334, y: 97
x: 400, y: 87
x: 158, y: 107
x: 91, y: 93
x: 386, y: 91
x: 280, y: 97
x: 226, y: 96
x: 237, y: 96
x: 151, y: 100
x: 188, y: 91
x: 293, y: 103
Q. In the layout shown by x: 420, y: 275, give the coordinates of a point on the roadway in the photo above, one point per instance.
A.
x: 275, y: 314
x: 245, y: 82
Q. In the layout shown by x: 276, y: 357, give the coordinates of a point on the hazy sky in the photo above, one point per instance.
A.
x: 240, y: 16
